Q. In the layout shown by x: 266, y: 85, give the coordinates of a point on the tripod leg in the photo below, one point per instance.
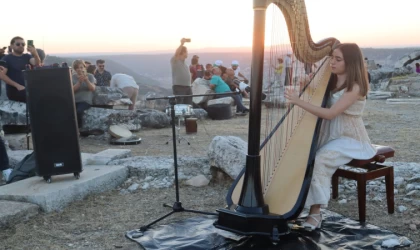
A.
x: 144, y: 228
x: 183, y: 138
x: 167, y: 142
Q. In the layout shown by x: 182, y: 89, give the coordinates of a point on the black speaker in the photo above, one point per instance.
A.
x: 52, y: 112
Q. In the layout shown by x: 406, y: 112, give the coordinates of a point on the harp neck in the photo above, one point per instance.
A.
x: 304, y: 48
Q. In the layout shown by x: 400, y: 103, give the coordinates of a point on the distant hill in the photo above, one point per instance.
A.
x: 146, y: 84
x: 158, y: 66
x: 386, y: 56
x: 155, y: 69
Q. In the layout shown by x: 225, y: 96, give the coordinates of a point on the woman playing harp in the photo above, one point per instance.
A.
x: 343, y: 136
x: 274, y: 185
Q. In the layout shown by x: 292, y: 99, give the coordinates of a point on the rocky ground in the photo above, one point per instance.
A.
x: 100, y: 221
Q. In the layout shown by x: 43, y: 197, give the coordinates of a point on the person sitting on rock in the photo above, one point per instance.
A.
x: 128, y: 85
x: 238, y: 74
x: 418, y: 68
x: 202, y: 86
x: 83, y: 87
x: 234, y: 82
x: 219, y: 86
x: 205, y: 80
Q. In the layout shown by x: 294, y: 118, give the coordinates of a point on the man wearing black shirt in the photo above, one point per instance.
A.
x: 15, y: 64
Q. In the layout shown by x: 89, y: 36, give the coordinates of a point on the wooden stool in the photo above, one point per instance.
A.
x: 374, y: 170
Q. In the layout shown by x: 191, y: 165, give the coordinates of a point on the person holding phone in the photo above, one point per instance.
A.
x: 83, y: 87
x: 15, y: 65
x: 181, y: 76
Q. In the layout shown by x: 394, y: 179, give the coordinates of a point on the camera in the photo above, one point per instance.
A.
x: 187, y: 40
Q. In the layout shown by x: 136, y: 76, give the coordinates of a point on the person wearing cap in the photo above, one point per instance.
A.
x: 181, y: 76
x: 219, y: 64
x: 196, y: 69
x: 235, y: 67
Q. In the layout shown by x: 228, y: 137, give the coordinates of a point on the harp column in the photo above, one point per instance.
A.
x: 251, y: 199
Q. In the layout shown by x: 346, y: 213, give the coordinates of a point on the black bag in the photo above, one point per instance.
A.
x: 25, y: 169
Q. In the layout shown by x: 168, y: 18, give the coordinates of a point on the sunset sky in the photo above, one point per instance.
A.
x: 80, y: 26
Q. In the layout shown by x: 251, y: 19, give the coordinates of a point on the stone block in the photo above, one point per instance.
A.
x: 106, y: 156
x: 64, y: 189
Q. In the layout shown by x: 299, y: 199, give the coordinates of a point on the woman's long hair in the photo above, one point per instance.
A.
x: 355, y: 68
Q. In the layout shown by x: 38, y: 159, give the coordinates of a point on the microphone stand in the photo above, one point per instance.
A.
x: 177, y: 206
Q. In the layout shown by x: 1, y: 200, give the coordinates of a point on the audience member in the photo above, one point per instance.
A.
x: 41, y: 55
x: 219, y: 86
x: 235, y: 67
x: 103, y: 77
x: 196, y: 69
x: 83, y: 87
x: 219, y: 64
x: 181, y: 76
x: 288, y: 69
x: 15, y: 65
x: 91, y: 69
x: 205, y: 80
x: 209, y: 67
x: 2, y: 52
x: 128, y: 85
x: 234, y: 82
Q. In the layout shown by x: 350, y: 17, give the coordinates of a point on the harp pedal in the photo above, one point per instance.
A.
x: 295, y: 227
x: 298, y: 227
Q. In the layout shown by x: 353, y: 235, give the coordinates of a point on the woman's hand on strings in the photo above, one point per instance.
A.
x: 292, y: 95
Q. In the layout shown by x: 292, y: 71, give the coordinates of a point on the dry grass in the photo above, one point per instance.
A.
x: 100, y: 221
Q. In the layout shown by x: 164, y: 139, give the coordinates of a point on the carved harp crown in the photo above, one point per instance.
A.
x: 277, y: 175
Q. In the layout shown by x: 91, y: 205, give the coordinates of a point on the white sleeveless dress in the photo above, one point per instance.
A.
x: 341, y: 139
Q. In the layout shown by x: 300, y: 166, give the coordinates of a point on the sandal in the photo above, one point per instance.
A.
x: 311, y: 226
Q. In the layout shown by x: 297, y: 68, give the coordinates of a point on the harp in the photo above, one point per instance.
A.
x: 272, y: 188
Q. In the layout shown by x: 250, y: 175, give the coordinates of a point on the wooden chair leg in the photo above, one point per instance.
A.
x: 334, y: 181
x: 361, y: 196
x: 389, y: 184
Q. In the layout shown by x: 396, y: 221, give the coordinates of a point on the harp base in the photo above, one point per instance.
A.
x: 272, y: 226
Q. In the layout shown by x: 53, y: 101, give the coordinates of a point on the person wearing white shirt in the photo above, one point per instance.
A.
x: 128, y: 85
x: 235, y: 67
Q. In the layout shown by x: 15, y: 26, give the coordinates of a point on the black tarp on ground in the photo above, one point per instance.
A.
x: 337, y: 232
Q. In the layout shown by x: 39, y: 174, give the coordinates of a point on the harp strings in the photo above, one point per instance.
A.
x: 279, y: 118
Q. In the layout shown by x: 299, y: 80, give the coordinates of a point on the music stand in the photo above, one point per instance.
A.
x: 177, y: 206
